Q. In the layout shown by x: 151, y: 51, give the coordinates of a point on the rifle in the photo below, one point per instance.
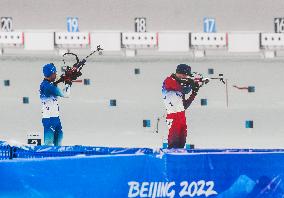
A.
x: 72, y: 73
x: 198, y: 80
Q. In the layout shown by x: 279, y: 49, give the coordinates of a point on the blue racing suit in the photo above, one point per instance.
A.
x: 49, y: 93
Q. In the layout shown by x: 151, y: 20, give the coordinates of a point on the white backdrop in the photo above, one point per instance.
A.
x: 162, y: 15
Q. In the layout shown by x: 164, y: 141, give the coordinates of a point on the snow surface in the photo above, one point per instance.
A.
x: 88, y: 119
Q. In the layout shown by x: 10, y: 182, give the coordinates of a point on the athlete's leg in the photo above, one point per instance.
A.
x: 177, y: 130
x: 183, y: 131
x: 58, y: 136
x: 48, y: 132
x: 173, y: 136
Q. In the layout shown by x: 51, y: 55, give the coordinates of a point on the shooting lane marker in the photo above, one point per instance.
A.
x: 146, y: 123
x: 189, y: 146
x: 250, y: 89
x: 210, y: 71
x: 203, y: 102
x: 7, y: 83
x: 249, y: 124
x: 136, y: 71
x: 25, y: 100
x: 112, y: 102
x: 165, y: 145
x: 87, y: 81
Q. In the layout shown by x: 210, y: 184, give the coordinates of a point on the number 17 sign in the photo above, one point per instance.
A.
x: 209, y: 25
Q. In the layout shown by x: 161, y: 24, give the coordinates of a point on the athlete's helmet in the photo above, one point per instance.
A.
x: 183, y: 69
x: 48, y: 69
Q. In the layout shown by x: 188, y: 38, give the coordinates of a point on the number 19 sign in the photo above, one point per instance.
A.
x: 72, y: 24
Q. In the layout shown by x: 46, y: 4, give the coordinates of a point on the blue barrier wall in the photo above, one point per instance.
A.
x: 162, y: 173
x: 5, y: 151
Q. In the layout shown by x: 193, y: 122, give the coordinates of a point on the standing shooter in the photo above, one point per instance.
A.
x: 49, y: 93
x: 174, y: 90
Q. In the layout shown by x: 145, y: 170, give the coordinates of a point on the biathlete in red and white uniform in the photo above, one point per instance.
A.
x: 174, y: 91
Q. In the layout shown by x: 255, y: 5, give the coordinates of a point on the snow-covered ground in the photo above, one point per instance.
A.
x: 88, y: 119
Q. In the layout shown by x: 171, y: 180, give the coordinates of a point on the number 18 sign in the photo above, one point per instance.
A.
x: 140, y: 24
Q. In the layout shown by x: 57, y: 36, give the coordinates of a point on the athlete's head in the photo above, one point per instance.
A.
x: 49, y: 71
x: 183, y: 71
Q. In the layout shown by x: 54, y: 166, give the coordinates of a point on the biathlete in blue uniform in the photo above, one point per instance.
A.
x: 49, y: 93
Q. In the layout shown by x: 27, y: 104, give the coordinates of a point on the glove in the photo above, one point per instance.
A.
x: 186, y: 82
x: 75, y: 75
x: 78, y: 74
x: 68, y: 81
x: 195, y: 88
x: 185, y: 89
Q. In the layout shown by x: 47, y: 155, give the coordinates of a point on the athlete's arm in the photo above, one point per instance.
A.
x: 55, y: 91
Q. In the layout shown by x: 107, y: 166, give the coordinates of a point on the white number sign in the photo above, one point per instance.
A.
x: 6, y: 24
x: 72, y: 24
x: 279, y: 25
x: 209, y: 25
x: 140, y: 24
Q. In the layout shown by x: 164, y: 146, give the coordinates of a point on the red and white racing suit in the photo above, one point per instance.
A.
x: 176, y: 104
